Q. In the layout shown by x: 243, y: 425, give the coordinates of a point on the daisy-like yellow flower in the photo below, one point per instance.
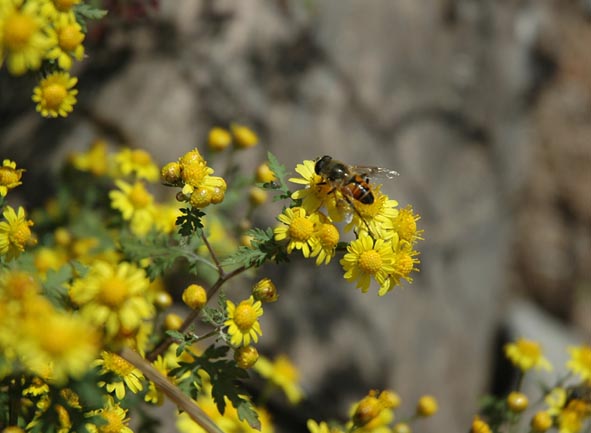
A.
x: 15, y: 232
x: 298, y: 229
x: 137, y: 162
x: 115, y: 418
x: 113, y: 296
x: 374, y: 219
x: 95, y: 160
x: 282, y: 373
x: 405, y: 224
x: 62, y: 343
x: 136, y: 205
x: 66, y: 37
x: 55, y: 95
x: 10, y: 176
x: 23, y: 41
x: 526, y: 354
x: 405, y: 261
x: 580, y: 362
x: 243, y: 324
x: 127, y: 375
x: 366, y: 259
x: 325, y: 240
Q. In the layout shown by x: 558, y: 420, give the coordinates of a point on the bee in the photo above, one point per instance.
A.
x: 352, y: 181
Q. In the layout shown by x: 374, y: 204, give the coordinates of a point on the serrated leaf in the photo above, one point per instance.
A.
x: 279, y: 184
x: 89, y: 11
x: 264, y: 248
x: 190, y: 221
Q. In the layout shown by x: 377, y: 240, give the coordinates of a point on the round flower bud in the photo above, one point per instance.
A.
x: 264, y: 173
x: 173, y: 322
x: 246, y: 241
x: 401, y: 427
x: 62, y: 237
x: 427, y: 406
x: 217, y: 195
x: 219, y: 139
x: 517, y: 402
x: 191, y: 157
x: 244, y: 137
x: 368, y: 408
x: 257, y: 196
x: 246, y: 356
x: 171, y: 174
x: 13, y: 429
x: 541, y: 422
x: 162, y: 300
x: 479, y: 426
x: 389, y: 399
x: 195, y: 296
x: 200, y: 198
x: 265, y: 291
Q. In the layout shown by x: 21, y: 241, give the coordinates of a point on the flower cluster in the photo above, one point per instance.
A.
x: 46, y: 34
x: 568, y: 407
x: 383, y: 250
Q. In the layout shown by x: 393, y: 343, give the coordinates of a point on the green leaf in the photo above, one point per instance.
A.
x: 56, y: 282
x: 264, y: 248
x: 280, y: 183
x: 190, y: 221
x: 89, y: 11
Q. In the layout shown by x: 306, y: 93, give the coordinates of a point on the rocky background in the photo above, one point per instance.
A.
x: 484, y: 107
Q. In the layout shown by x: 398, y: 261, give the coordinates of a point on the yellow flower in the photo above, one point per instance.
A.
x: 23, y: 41
x: 15, y: 232
x: 541, y: 422
x: 67, y: 37
x: 366, y: 259
x: 405, y: 224
x: 113, y: 296
x: 580, y: 362
x: 282, y: 373
x: 298, y: 229
x: 135, y: 204
x: 244, y: 137
x: 373, y: 219
x: 219, y: 139
x: 404, y: 261
x: 114, y: 417
x: 479, y: 426
x: 243, y: 325
x: 10, y: 176
x: 55, y: 95
x: 167, y: 216
x: 325, y: 240
x: 526, y: 354
x: 49, y: 259
x: 137, y: 162
x: 127, y: 375
x: 427, y: 406
x: 94, y: 161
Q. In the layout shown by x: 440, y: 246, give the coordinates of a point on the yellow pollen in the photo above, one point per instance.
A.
x: 530, y: 349
x: 140, y: 157
x: 113, y: 292
x: 404, y: 264
x: 18, y: 31
x: 301, y: 229
x: 139, y: 197
x: 9, y: 176
x: 64, y: 5
x: 244, y: 316
x: 194, y: 173
x: 114, y: 422
x: 370, y: 262
x: 117, y: 365
x: 329, y: 235
x: 70, y: 37
x: 20, y: 234
x: 54, y: 94
x: 407, y: 225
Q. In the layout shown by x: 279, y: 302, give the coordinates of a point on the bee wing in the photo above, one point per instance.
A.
x: 375, y: 172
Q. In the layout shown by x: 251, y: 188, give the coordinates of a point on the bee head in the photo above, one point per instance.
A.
x: 321, y: 163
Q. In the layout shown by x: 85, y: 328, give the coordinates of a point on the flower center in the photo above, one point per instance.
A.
x: 113, y: 292
x: 140, y: 157
x: 194, y: 173
x: 20, y: 234
x: 530, y: 349
x: 57, y: 339
x: 70, y: 37
x: 407, y: 225
x: 114, y: 422
x: 8, y: 176
x: 139, y: 197
x: 301, y: 229
x: 18, y: 31
x: 370, y: 262
x: 53, y: 95
x: 329, y: 235
x: 244, y: 316
x: 117, y: 365
x: 404, y: 264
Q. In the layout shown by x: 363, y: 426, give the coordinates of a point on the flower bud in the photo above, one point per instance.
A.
x: 367, y: 409
x: 246, y: 356
x: 541, y: 422
x: 389, y: 399
x: 401, y: 427
x: 173, y: 322
x: 257, y: 196
x: 427, y: 406
x: 171, y: 174
x: 195, y: 296
x: 264, y: 173
x: 244, y: 137
x: 517, y: 402
x: 479, y: 426
x: 219, y: 139
x: 265, y: 291
x: 200, y: 198
x: 162, y: 300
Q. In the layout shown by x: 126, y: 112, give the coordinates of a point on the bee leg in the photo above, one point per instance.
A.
x: 348, y: 199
